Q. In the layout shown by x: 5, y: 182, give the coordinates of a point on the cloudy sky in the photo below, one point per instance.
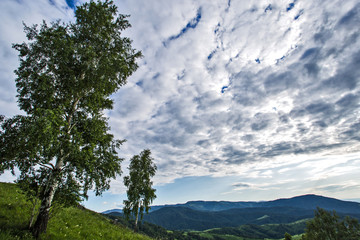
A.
x: 237, y: 99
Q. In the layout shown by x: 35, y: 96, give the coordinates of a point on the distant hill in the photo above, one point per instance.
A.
x: 115, y: 210
x: 309, y: 201
x: 183, y: 218
x: 247, y: 232
x: 312, y: 201
x: 202, y: 215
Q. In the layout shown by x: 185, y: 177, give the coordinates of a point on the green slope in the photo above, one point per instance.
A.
x: 66, y: 223
x: 266, y: 231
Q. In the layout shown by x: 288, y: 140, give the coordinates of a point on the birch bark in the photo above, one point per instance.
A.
x: 44, y: 211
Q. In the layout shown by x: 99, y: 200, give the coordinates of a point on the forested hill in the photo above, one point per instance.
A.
x: 201, y: 215
x: 182, y: 218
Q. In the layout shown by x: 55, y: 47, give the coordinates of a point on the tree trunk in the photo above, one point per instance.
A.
x: 44, y: 211
x: 136, y: 222
x: 136, y: 218
x: 53, y: 183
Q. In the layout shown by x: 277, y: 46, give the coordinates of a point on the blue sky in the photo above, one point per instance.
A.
x: 237, y: 100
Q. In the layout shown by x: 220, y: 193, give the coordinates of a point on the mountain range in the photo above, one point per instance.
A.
x: 202, y: 215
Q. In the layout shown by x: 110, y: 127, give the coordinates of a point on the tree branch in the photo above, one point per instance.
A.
x: 52, y: 166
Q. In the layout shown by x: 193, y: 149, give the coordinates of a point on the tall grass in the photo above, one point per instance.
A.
x: 65, y: 223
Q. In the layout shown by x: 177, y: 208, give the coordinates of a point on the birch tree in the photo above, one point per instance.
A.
x: 140, y: 192
x: 328, y: 225
x: 67, y: 73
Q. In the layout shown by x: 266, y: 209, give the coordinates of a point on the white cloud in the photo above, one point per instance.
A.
x: 252, y: 88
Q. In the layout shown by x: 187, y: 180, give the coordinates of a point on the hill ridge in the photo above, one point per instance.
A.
x: 307, y: 201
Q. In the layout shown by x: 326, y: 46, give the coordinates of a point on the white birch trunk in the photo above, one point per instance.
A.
x: 44, y: 211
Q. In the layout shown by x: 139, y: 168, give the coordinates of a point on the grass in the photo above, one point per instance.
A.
x: 75, y: 223
x: 65, y: 223
x: 15, y: 210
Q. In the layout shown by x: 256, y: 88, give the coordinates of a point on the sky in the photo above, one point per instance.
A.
x: 237, y: 100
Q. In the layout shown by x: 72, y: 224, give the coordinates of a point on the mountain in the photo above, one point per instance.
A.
x: 201, y: 215
x: 309, y: 201
x: 312, y: 201
x: 115, y: 210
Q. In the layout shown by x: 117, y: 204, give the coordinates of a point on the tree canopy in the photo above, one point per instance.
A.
x: 287, y: 236
x: 328, y: 226
x: 67, y: 74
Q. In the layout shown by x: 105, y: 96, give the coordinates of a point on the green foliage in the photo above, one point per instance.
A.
x: 329, y: 226
x: 67, y: 194
x: 287, y: 236
x: 67, y: 74
x: 140, y: 193
x: 66, y: 223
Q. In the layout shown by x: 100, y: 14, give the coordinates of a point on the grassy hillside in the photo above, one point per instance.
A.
x: 66, y: 223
